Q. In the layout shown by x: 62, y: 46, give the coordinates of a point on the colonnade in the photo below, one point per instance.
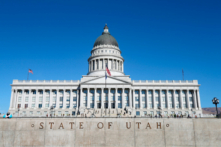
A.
x: 100, y: 64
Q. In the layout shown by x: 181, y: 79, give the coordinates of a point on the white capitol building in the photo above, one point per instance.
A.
x: 90, y: 96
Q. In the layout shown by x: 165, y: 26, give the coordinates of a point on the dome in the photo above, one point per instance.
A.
x: 106, y: 39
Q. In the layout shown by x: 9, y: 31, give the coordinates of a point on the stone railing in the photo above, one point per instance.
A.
x: 102, y: 46
x: 165, y: 81
x: 45, y: 81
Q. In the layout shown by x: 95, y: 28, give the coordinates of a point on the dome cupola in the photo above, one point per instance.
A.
x: 106, y: 38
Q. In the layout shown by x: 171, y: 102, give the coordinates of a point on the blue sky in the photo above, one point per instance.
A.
x: 157, y: 39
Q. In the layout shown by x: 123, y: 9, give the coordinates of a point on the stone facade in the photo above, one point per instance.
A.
x: 99, y: 95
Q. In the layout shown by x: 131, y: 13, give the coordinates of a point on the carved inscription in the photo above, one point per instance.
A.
x: 138, y: 123
x: 71, y: 124
x: 100, y: 127
x: 128, y: 127
x: 41, y: 125
x: 148, y: 125
x: 109, y: 124
x: 51, y: 123
x: 80, y: 125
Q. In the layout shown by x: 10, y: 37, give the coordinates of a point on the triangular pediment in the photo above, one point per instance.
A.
x: 103, y: 80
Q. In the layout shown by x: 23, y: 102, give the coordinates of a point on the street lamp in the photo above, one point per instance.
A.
x: 51, y: 110
x: 18, y: 111
x: 216, y: 101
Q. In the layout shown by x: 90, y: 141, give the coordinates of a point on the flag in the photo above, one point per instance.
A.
x: 30, y: 71
x: 108, y: 70
x: 105, y: 75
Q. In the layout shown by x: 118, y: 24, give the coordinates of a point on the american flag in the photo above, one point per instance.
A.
x: 108, y: 70
x: 30, y: 71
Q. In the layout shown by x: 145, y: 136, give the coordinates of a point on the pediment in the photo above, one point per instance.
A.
x: 109, y: 80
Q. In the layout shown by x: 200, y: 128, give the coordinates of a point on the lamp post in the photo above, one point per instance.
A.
x: 18, y: 111
x: 51, y: 108
x: 216, y: 101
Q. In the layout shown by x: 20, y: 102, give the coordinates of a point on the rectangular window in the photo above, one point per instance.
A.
x: 40, y: 99
x: 119, y: 91
x: 150, y: 99
x: 119, y: 98
x: 157, y: 105
x: 92, y: 98
x: 33, y: 99
x: 184, y: 105
x: 106, y: 98
x: 137, y: 106
x: 26, y: 99
x: 150, y: 105
x: 33, y: 92
x: 119, y: 105
x: 41, y: 92
x: 47, y: 105
x: 85, y: 98
x: 137, y: 113
x: 31, y: 113
x: 61, y: 99
x: 91, y: 105
x: 60, y: 105
x: 144, y: 105
x: 67, y: 105
x: 47, y: 99
x: 143, y: 92
x: 92, y: 91
x: 61, y: 92
x: 19, y: 99
x: 149, y: 92
x: 177, y: 99
x: 54, y: 105
x: 136, y: 99
x: 59, y: 113
x: 74, y: 105
x: 26, y: 105
x: 171, y: 105
x: 74, y: 98
x: 32, y: 105
x: 163, y: 99
x: 177, y: 105
x: 54, y: 92
x: 85, y: 104
x: 143, y: 99
x: 191, y: 105
x: 171, y: 99
x: 39, y: 105
x: 136, y: 92
x: 156, y: 99
x: 54, y: 99
x: 68, y: 99
x: 47, y: 92
x: 99, y: 98
x: 191, y: 99
x: 126, y: 98
x: 19, y: 105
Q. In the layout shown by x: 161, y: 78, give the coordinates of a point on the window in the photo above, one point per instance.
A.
x: 85, y: 98
x: 106, y: 98
x: 163, y: 92
x: 54, y: 105
x: 91, y: 91
x: 105, y: 50
x: 191, y: 105
x: 33, y: 99
x: 150, y: 99
x: 32, y: 105
x: 171, y: 99
x: 119, y: 98
x: 109, y: 51
x: 112, y: 91
x: 190, y: 92
x: 68, y: 92
x: 54, y: 92
x: 91, y: 105
x: 26, y: 99
x: 176, y: 92
x: 19, y: 99
x: 26, y: 92
x: 184, y: 99
x: 40, y: 99
x: 61, y: 92
x: 137, y: 106
x: 74, y: 98
x: 60, y: 105
x: 73, y: 113
x: 47, y: 105
x: 126, y: 104
x: 67, y: 105
x: 156, y: 99
x: 150, y: 105
x: 184, y: 105
x: 99, y: 98
x: 191, y: 99
x: 33, y: 92
x: 177, y: 99
x: 112, y: 98
x: 47, y: 92
x: 152, y: 113
x: 119, y: 105
x: 136, y: 92
x: 19, y: 92
x: 137, y: 113
x: 170, y: 92
x: 41, y: 92
x: 85, y: 104
x: 149, y: 92
x: 143, y: 99
x: 38, y: 113
x: 144, y: 105
x: 126, y: 98
x: 74, y: 105
x: 68, y: 99
x: 39, y: 105
x: 31, y: 113
x: 61, y: 99
x: 157, y: 105
x: 164, y: 105
x: 92, y: 98
x: 47, y: 99
x: 171, y: 105
x: 26, y: 105
x: 54, y: 99
x: 19, y: 105
x: 163, y: 99
x: 143, y: 92
x: 156, y: 92
x: 177, y: 105
x: 59, y: 113
x: 136, y: 99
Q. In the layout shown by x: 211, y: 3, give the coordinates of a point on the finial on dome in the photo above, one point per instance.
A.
x: 106, y: 29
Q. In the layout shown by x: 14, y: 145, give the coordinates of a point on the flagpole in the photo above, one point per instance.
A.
x: 28, y: 76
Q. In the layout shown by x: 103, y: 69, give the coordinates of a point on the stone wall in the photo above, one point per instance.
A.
x: 124, y: 132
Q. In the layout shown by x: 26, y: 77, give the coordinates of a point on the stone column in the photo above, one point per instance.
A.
x: 133, y: 98
x: 51, y: 99
x: 43, y: 99
x: 140, y: 98
x: 154, y: 103
x: 15, y: 104
x: 57, y: 100
x: 22, y: 98
x: 64, y: 99
x: 77, y: 99
x: 71, y: 99
x: 167, y: 99
x: 103, y: 63
x: 109, y: 102
x: 188, y: 99
x: 88, y: 98
x: 147, y: 99
x: 160, y: 102
x: 29, y: 98
x: 81, y: 97
x: 37, y: 99
x: 12, y: 98
x: 95, y: 98
x: 198, y: 98
x: 130, y: 98
x: 122, y: 66
x: 123, y: 98
x: 174, y: 98
x: 181, y: 98
x: 194, y: 98
x: 116, y: 98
